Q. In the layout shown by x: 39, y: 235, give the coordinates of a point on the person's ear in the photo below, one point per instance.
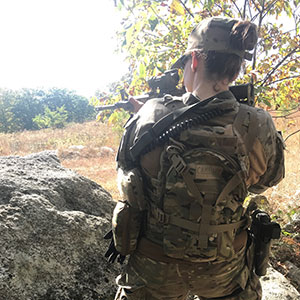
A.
x: 194, y: 61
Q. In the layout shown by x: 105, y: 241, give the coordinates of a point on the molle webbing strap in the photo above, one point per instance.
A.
x: 181, y: 168
x: 230, y: 186
x: 205, y: 224
x: 246, y: 123
x: 164, y: 218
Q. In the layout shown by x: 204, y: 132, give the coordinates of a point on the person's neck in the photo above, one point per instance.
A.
x: 206, y: 89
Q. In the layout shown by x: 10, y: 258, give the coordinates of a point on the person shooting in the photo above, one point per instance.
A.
x: 185, y: 166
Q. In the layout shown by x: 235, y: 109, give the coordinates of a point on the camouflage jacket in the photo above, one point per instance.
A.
x: 264, y: 162
x: 266, y: 158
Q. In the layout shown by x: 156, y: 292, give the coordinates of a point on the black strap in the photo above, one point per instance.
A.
x: 163, y: 128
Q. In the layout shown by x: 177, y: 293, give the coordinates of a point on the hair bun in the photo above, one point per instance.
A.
x: 244, y: 35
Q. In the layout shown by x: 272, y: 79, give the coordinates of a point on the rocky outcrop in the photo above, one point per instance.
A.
x: 51, y: 226
x: 276, y: 287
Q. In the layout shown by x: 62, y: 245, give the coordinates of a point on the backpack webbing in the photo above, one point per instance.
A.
x: 246, y: 124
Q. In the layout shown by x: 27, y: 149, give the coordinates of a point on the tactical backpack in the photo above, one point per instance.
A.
x: 195, y: 206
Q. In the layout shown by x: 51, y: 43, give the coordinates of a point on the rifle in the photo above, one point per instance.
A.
x: 167, y: 84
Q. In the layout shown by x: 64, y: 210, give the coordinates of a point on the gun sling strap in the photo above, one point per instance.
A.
x: 167, y: 127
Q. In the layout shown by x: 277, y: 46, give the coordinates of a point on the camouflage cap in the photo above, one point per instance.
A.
x: 212, y: 34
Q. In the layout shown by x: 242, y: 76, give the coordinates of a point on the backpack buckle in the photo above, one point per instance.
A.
x: 160, y: 216
x: 178, y: 163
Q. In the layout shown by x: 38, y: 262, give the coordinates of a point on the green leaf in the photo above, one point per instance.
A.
x: 153, y: 23
x: 142, y: 70
x: 177, y: 8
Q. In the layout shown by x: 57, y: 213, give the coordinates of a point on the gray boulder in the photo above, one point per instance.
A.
x: 51, y: 226
x: 277, y: 287
x: 52, y: 223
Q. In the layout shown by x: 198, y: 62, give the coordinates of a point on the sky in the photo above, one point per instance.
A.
x: 59, y: 43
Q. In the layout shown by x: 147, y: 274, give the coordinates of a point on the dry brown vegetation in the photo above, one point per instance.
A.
x: 88, y: 157
x: 96, y: 163
x: 284, y: 199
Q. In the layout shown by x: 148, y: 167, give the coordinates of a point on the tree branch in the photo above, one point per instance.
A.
x: 225, y: 13
x: 189, y: 12
x: 279, y: 80
x: 259, y: 28
x: 256, y: 6
x: 249, y: 9
x: 159, y: 17
x: 244, y: 9
x: 278, y: 65
x: 291, y: 111
x: 269, y: 7
x: 238, y: 9
x: 291, y: 135
x: 210, y: 12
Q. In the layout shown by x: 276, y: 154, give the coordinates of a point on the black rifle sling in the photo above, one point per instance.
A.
x: 167, y: 127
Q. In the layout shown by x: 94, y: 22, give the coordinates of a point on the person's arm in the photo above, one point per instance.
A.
x: 266, y: 157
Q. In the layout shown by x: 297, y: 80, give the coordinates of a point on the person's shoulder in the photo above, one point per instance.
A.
x: 261, y: 115
x: 156, y: 108
x: 167, y: 100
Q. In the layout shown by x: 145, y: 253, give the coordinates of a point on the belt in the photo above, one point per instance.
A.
x: 154, y: 251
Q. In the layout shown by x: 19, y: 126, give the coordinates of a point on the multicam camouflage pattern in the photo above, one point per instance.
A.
x: 211, y: 171
x: 144, y: 278
x: 267, y: 156
x: 126, y: 227
x: 152, y: 278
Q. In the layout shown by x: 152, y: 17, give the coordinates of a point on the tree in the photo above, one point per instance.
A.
x: 78, y: 107
x: 7, y: 97
x: 154, y: 34
x: 27, y: 104
x: 29, y: 109
x: 52, y: 118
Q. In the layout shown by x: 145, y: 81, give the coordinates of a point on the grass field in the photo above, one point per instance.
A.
x: 83, y: 148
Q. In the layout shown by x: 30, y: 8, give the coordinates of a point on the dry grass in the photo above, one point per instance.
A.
x: 91, y: 161
x: 101, y: 167
x: 284, y: 199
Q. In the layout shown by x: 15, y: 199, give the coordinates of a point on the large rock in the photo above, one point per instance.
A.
x: 51, y: 226
x: 277, y: 287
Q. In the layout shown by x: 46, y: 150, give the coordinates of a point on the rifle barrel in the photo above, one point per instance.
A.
x: 122, y: 104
